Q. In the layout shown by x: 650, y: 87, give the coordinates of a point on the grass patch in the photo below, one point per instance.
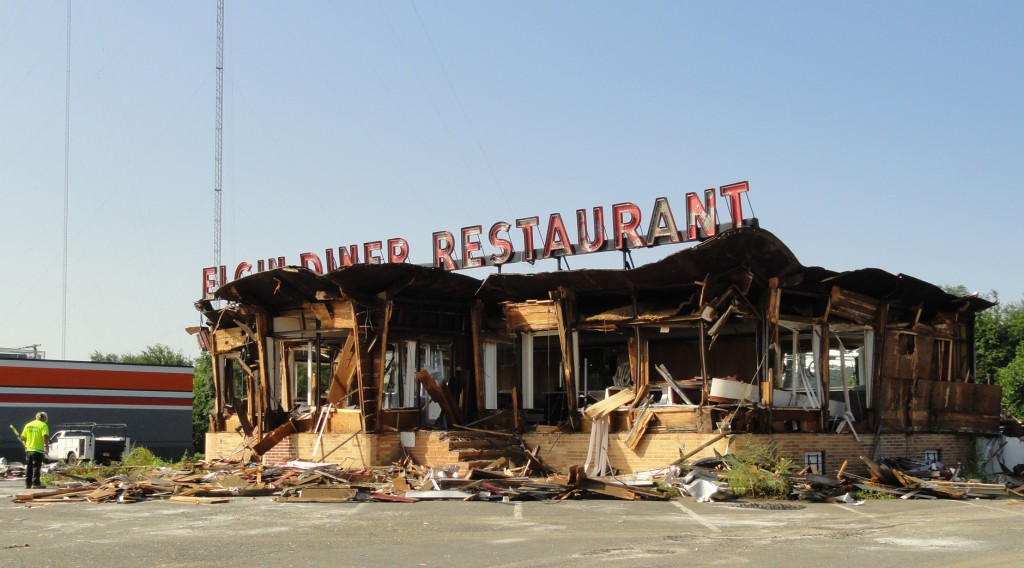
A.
x: 133, y: 465
x: 863, y: 494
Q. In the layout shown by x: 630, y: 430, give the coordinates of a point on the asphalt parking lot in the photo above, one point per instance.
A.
x: 261, y: 532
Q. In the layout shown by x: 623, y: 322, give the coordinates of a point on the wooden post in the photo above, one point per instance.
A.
x: 823, y: 373
x: 881, y: 330
x: 703, y: 367
x: 564, y: 304
x: 476, y: 325
x: 382, y: 366
x: 261, y: 398
x: 216, y: 363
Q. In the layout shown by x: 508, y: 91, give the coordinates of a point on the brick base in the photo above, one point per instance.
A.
x: 659, y: 450
x: 560, y: 450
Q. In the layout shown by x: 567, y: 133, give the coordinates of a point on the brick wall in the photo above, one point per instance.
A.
x: 659, y: 450
x: 361, y: 450
x: 560, y: 450
x: 431, y: 449
x: 223, y: 444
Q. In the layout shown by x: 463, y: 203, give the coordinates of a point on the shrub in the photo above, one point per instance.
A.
x: 759, y: 470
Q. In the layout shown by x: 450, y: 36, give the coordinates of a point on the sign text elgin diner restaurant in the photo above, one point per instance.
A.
x: 470, y: 249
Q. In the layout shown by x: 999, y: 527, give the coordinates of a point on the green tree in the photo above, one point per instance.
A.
x: 157, y: 354
x: 997, y: 334
x: 202, y: 400
x: 1011, y: 378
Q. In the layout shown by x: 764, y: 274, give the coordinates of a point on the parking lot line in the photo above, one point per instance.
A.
x: 517, y: 510
x: 352, y: 510
x: 1000, y: 509
x: 852, y: 510
x: 696, y: 517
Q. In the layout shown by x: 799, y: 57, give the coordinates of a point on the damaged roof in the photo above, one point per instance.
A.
x: 743, y: 247
x: 292, y: 286
x: 749, y: 248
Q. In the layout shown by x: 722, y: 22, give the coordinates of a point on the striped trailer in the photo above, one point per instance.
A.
x: 155, y: 401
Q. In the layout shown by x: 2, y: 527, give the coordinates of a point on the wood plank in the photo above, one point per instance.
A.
x: 441, y: 396
x: 344, y: 371
x: 694, y: 452
x: 197, y: 500
x: 639, y: 428
x: 227, y: 340
x: 605, y: 407
x: 328, y: 492
x: 534, y: 315
x: 280, y: 433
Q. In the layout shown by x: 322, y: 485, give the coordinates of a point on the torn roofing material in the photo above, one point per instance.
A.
x: 749, y: 248
x: 743, y: 247
x: 294, y: 286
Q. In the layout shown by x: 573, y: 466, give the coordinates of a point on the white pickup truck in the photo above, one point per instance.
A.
x: 88, y: 441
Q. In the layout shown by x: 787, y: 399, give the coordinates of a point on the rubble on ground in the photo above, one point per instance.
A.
x: 703, y: 480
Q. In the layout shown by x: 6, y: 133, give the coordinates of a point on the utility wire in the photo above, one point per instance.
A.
x: 462, y: 109
x: 67, y: 161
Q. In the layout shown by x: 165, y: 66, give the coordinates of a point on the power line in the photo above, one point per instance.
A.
x: 67, y: 161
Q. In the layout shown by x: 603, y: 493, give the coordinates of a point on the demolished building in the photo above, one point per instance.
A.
x: 731, y: 341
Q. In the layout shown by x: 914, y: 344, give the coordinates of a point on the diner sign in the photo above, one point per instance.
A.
x: 469, y: 248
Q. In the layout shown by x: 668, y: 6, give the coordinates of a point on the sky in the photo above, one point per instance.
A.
x: 872, y: 134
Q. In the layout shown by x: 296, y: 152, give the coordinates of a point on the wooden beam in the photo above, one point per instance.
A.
x: 605, y: 407
x: 441, y: 396
x: 261, y: 404
x: 564, y: 301
x: 694, y: 452
x: 344, y: 371
x: 385, y: 325
x: 476, y: 324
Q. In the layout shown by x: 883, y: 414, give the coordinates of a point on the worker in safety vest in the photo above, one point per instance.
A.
x: 36, y: 437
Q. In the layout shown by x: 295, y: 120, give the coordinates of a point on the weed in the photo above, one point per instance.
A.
x: 862, y: 494
x: 759, y: 470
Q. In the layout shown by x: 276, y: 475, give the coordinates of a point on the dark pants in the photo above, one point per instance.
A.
x: 34, y: 463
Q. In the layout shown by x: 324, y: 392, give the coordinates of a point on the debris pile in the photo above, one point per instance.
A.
x: 318, y: 482
x: 709, y: 479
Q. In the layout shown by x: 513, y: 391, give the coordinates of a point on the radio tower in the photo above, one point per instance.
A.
x: 218, y: 144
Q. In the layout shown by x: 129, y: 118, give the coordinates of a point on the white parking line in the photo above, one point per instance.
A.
x: 1000, y: 509
x: 517, y: 511
x: 852, y: 510
x: 352, y: 510
x: 696, y: 517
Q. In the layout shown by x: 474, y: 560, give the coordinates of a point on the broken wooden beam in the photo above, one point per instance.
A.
x: 441, y: 396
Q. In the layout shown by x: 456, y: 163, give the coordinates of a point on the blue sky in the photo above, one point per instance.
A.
x: 873, y: 134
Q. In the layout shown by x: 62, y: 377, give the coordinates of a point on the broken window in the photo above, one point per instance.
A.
x: 603, y: 362
x: 400, y: 387
x: 306, y: 370
x: 797, y: 382
x: 851, y: 349
x: 402, y: 359
x: 907, y: 343
x: 942, y: 359
x: 499, y: 374
x: 543, y: 377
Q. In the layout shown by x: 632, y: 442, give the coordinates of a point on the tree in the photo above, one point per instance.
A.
x: 202, y: 400
x: 157, y: 354
x: 1011, y: 378
x: 997, y: 334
